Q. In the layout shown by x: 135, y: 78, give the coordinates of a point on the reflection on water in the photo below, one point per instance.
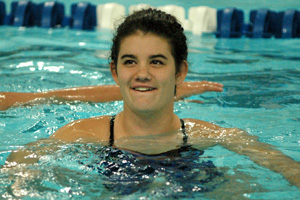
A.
x: 79, y: 170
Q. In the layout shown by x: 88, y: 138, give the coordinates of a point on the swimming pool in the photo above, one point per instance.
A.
x: 261, y: 96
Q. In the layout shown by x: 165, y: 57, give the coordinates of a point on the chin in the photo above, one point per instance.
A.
x: 146, y: 108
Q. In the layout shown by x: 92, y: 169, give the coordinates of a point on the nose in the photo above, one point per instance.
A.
x: 143, y: 73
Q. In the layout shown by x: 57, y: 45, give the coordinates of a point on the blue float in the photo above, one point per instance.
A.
x: 52, y: 14
x: 263, y: 23
x: 288, y: 24
x: 24, y: 13
x: 2, y: 12
x: 83, y: 16
x: 230, y: 23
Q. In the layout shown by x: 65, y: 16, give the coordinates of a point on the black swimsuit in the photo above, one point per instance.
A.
x: 112, y: 122
x: 126, y: 172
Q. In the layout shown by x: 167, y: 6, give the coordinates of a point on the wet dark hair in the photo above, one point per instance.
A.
x: 156, y: 22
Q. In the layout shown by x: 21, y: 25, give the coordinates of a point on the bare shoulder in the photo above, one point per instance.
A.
x: 196, y: 123
x: 90, y: 129
x: 198, y: 128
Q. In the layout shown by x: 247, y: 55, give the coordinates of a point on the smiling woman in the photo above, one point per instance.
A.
x: 143, y: 56
x: 146, y: 74
x: 148, y: 63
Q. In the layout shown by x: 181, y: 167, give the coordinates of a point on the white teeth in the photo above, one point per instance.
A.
x: 143, y: 89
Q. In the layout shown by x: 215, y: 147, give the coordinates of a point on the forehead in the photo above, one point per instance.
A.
x: 145, y: 43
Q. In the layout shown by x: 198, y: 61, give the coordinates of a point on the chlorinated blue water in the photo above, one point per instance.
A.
x: 261, y: 79
x: 261, y: 96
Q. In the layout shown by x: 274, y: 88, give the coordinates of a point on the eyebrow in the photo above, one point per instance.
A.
x: 159, y: 56
x: 127, y: 56
x: 151, y: 57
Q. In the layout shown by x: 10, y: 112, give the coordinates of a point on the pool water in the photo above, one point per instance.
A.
x: 262, y: 96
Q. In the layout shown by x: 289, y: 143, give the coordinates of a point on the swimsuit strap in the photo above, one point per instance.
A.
x: 112, y: 122
x: 185, y: 137
x: 111, y: 136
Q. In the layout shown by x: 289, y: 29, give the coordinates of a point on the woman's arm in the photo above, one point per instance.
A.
x: 262, y: 154
x: 31, y: 153
x: 17, y: 165
x: 101, y: 93
x: 188, y: 89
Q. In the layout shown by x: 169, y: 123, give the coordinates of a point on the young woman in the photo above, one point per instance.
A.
x: 149, y: 54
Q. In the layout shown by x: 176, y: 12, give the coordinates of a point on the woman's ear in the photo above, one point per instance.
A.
x: 113, y: 71
x: 180, y: 76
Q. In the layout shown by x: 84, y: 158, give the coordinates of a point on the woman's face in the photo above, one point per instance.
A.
x: 146, y: 73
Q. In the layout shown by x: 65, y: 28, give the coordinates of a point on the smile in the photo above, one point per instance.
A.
x: 143, y: 89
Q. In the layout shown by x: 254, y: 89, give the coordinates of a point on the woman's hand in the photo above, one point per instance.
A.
x: 188, y: 89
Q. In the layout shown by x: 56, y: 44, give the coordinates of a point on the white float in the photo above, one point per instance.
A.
x: 138, y: 7
x: 177, y: 11
x: 108, y: 13
x: 204, y: 19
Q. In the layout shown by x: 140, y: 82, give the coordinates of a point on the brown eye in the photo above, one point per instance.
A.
x: 129, y: 62
x: 157, y: 62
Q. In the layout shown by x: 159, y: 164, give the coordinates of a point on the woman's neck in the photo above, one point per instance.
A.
x: 131, y: 123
